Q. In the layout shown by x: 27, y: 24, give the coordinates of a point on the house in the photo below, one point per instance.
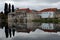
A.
x: 22, y: 17
x: 58, y: 14
x: 30, y: 14
x: 16, y: 18
x: 48, y: 13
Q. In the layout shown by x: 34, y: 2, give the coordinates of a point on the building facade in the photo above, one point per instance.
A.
x: 58, y: 14
x: 48, y: 13
x: 22, y: 16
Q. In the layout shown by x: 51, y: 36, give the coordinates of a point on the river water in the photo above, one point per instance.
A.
x: 32, y: 31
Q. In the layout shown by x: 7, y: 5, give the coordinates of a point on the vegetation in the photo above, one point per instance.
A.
x: 46, y: 20
x: 12, y: 8
x: 6, y: 9
x: 9, y: 8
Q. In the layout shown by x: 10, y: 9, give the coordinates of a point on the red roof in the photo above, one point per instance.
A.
x: 44, y: 10
x: 24, y: 9
x: 49, y: 9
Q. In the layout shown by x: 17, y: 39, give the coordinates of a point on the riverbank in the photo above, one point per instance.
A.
x: 46, y: 20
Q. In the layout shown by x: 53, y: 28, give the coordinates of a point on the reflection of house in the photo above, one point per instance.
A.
x: 48, y: 27
x: 22, y: 30
x: 28, y: 28
x: 57, y: 27
x: 49, y: 30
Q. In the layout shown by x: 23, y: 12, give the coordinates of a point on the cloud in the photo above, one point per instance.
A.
x: 32, y: 4
x: 41, y: 1
x: 36, y: 5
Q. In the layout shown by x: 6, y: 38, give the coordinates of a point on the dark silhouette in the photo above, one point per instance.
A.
x: 6, y: 9
x: 2, y: 12
x: 12, y: 8
x: 9, y: 8
x: 2, y: 15
x: 2, y: 18
x: 13, y: 30
x: 10, y: 32
x: 6, y: 31
x: 1, y: 25
x: 6, y: 22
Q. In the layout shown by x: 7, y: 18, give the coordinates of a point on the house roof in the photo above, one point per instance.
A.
x: 24, y: 9
x: 49, y: 10
x: 38, y: 12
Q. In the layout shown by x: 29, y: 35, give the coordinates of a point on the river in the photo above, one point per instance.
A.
x: 32, y: 31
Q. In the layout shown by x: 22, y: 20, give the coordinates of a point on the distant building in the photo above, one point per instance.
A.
x: 48, y: 13
x: 58, y: 14
x: 22, y: 16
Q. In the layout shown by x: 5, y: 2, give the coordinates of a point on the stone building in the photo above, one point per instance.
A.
x: 22, y: 17
x: 58, y: 14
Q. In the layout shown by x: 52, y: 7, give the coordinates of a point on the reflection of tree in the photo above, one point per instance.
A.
x: 6, y: 31
x: 2, y: 25
x: 13, y: 30
x: 10, y: 32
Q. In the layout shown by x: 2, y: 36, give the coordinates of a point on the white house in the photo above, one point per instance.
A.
x: 48, y: 13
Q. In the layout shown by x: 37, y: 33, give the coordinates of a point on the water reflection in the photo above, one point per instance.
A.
x: 50, y: 27
x: 10, y: 29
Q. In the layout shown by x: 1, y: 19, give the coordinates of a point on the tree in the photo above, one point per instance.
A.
x: 1, y: 15
x: 6, y: 8
x: 1, y: 12
x: 9, y: 8
x: 12, y: 8
x: 10, y: 32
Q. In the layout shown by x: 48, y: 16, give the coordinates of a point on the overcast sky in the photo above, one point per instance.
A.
x: 32, y: 4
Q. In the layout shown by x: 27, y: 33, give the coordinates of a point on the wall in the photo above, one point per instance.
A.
x: 47, y: 14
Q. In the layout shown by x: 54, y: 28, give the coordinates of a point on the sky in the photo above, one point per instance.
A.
x: 32, y: 4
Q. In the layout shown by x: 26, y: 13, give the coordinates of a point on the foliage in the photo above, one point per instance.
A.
x: 12, y: 8
x: 47, y: 20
